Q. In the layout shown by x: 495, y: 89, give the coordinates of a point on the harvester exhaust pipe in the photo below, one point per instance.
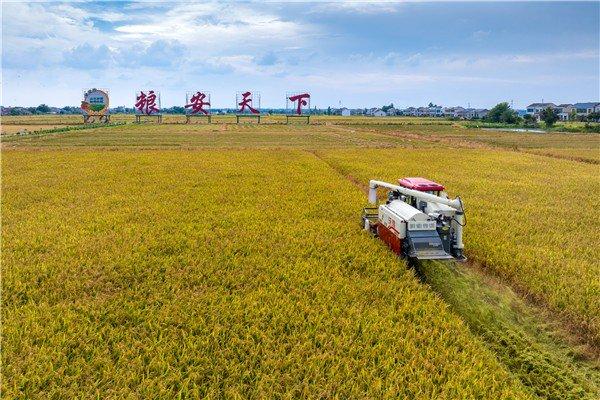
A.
x: 458, y: 222
x: 373, y: 185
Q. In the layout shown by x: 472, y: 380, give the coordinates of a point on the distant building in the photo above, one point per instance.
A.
x: 412, y: 111
x: 587, y: 108
x: 379, y: 113
x: 345, y: 112
x: 471, y: 113
x: 482, y: 112
x: 422, y: 111
x: 565, y: 111
x: 536, y: 108
x: 435, y: 111
x: 455, y: 112
x: 521, y: 113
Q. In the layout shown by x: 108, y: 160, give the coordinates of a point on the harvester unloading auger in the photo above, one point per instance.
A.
x: 418, y: 220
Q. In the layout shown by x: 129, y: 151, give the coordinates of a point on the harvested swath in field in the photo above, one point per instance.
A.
x: 493, y: 138
x: 214, y: 274
x: 17, y: 129
x: 591, y: 156
x: 217, y: 136
x: 528, y: 217
x: 537, y: 349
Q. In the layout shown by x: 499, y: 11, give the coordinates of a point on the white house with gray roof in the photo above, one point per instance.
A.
x: 587, y: 108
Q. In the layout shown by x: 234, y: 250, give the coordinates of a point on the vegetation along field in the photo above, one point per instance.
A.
x: 226, y: 261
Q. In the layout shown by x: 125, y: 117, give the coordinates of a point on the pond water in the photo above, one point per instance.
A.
x: 515, y: 130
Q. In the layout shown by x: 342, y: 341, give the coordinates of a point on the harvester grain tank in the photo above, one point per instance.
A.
x: 418, y: 220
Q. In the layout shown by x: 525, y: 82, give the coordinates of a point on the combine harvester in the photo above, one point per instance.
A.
x: 418, y: 221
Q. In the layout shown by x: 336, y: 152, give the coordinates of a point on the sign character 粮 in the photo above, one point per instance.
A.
x: 146, y: 104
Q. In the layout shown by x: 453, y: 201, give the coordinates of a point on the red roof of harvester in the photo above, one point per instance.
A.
x: 420, y: 184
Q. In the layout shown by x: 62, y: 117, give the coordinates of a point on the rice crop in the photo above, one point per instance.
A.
x: 530, y: 217
x: 585, y: 155
x: 153, y: 136
x: 238, y: 274
x: 25, y: 129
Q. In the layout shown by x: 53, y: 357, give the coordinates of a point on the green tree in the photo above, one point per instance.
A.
x: 43, y: 108
x: 549, y: 116
x: 329, y: 110
x: 529, y: 120
x: 593, y: 117
x: 177, y: 110
x: 386, y: 108
x: 573, y: 115
x: 509, y: 117
x: 502, y: 113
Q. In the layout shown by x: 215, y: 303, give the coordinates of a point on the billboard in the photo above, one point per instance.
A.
x: 247, y: 102
x: 296, y: 102
x: 197, y: 103
x: 95, y: 105
x: 147, y: 102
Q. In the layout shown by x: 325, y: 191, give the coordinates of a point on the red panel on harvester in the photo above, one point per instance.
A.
x: 420, y: 184
x: 389, y: 238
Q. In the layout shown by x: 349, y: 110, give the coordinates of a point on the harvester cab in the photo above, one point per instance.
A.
x: 418, y: 220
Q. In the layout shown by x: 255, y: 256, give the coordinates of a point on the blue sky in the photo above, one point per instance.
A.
x: 357, y: 54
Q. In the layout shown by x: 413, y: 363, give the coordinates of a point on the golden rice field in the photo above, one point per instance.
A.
x: 154, y: 136
x: 528, y: 216
x: 585, y: 155
x: 216, y: 118
x: 25, y: 129
x: 210, y: 274
x: 225, y: 261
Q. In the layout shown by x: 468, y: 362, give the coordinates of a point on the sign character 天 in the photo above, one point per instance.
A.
x: 247, y: 102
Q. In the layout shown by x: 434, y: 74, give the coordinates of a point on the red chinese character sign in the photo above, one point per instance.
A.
x: 247, y: 102
x: 297, y: 101
x: 197, y: 103
x: 147, y: 102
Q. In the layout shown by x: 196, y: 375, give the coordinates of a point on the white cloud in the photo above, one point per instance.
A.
x: 172, y: 47
x: 480, y: 35
x: 39, y: 34
x: 213, y: 26
x: 473, y: 62
x: 35, y: 35
x: 86, y: 56
x: 357, y: 7
x: 36, y: 21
